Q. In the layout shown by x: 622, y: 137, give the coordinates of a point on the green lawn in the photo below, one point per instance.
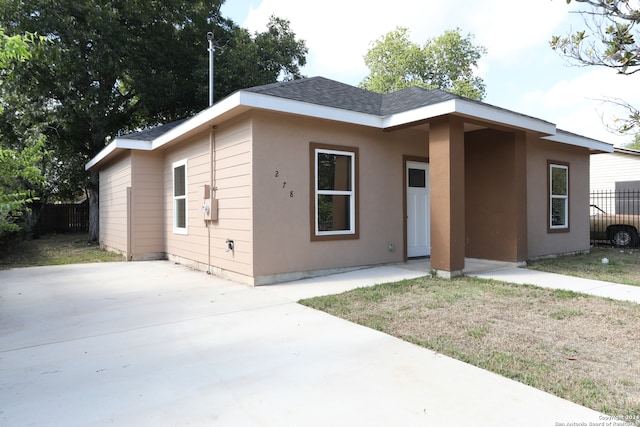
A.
x: 579, y: 347
x: 54, y: 249
x: 623, y: 265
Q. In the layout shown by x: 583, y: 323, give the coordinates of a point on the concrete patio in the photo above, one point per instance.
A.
x: 157, y: 344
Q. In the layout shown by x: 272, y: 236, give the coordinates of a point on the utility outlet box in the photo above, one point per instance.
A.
x: 211, y: 214
x: 207, y: 192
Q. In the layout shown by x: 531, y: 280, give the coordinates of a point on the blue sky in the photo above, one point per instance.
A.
x: 520, y: 70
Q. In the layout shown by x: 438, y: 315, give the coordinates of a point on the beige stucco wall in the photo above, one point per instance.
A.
x: 262, y: 176
x: 282, y: 194
x: 115, y: 178
x: 495, y: 190
x: 540, y: 241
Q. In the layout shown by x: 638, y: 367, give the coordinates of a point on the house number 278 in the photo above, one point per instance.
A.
x: 284, y: 183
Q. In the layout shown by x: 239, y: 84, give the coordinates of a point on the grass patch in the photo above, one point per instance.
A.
x: 478, y: 332
x: 565, y: 313
x: 55, y: 249
x: 623, y: 266
x: 578, y: 347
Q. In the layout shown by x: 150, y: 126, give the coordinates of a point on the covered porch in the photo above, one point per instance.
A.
x: 478, y: 195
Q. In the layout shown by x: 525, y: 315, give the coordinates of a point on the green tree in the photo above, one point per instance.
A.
x: 20, y: 175
x: 247, y: 60
x: 117, y: 66
x: 635, y: 145
x: 446, y: 62
x: 609, y: 40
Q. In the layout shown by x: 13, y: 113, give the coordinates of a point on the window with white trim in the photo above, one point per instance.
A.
x: 334, y: 206
x: 558, y: 196
x: 180, y: 211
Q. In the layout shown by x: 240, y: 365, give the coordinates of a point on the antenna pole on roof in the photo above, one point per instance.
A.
x: 211, y: 51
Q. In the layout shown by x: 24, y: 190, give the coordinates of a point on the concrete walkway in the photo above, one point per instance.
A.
x: 157, y: 344
x: 559, y: 281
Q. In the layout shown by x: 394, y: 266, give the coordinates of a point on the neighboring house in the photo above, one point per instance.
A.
x: 293, y: 179
x: 615, y: 194
x: 616, y: 171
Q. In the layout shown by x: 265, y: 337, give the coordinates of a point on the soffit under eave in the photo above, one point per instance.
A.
x: 470, y: 124
x: 106, y: 158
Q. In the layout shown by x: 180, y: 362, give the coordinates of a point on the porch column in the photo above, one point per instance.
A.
x: 446, y: 172
x: 521, y: 196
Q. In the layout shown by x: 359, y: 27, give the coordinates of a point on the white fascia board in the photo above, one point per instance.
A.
x: 272, y: 103
x: 283, y: 105
x: 580, y: 141
x: 117, y: 145
x: 471, y: 109
x: 267, y: 102
x: 623, y: 150
x: 200, y: 119
x: 506, y: 117
x: 419, y: 114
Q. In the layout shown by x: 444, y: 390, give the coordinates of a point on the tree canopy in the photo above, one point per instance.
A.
x: 446, y: 62
x: 609, y: 40
x: 118, y: 66
x: 19, y: 172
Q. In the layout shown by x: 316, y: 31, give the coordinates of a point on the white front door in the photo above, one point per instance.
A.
x: 418, y: 227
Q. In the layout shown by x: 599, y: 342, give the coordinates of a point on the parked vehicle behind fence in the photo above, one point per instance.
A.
x: 620, y: 229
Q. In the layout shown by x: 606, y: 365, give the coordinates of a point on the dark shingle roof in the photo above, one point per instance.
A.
x: 152, y: 133
x: 413, y: 97
x: 330, y: 93
x: 322, y: 91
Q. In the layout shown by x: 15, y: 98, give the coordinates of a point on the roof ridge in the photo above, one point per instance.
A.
x: 323, y: 91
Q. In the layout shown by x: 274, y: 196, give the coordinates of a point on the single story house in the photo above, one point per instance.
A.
x: 296, y: 178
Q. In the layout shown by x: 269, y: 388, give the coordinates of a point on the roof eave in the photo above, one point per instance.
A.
x: 242, y: 101
x: 290, y: 106
x: 593, y: 145
x: 477, y: 111
x: 419, y: 114
x: 504, y: 117
x: 114, y: 148
x: 204, y: 119
x: 629, y: 151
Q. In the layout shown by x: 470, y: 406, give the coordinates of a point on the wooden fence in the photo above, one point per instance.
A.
x: 64, y: 218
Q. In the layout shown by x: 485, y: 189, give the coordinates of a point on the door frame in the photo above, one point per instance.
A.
x: 405, y: 160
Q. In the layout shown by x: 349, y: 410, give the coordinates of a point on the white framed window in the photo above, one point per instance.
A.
x: 334, y: 192
x: 558, y: 196
x: 180, y: 201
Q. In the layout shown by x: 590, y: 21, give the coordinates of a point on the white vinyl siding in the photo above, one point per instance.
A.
x: 609, y: 168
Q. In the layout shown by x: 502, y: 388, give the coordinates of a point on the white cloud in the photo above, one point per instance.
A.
x: 521, y: 71
x: 338, y: 32
x: 577, y: 104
